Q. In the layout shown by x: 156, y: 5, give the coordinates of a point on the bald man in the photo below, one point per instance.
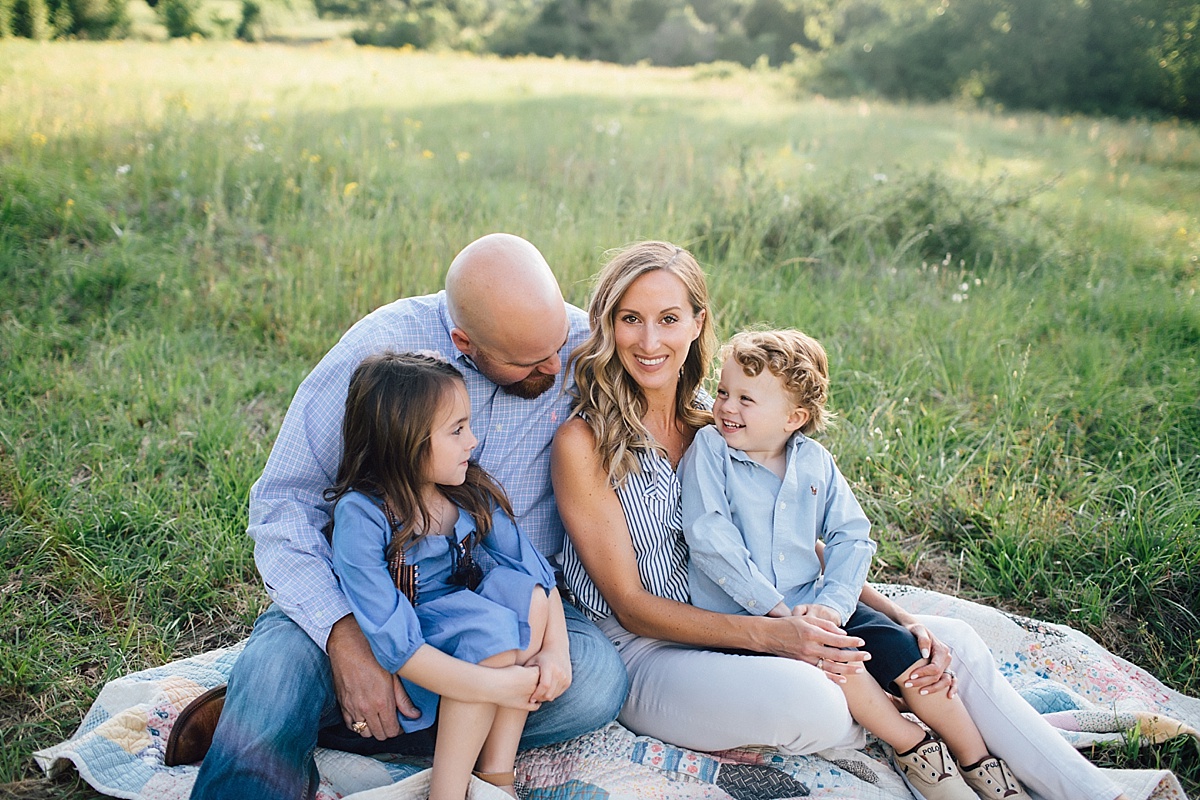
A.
x: 307, y: 667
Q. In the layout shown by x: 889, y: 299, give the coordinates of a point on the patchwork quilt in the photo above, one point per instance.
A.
x: 1090, y: 695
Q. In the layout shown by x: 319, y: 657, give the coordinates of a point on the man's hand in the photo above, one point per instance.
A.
x: 366, y: 691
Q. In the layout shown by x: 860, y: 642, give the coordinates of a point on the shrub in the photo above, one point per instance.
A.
x: 250, y: 29
x: 908, y: 217
x: 430, y: 27
x: 180, y: 17
x: 90, y: 19
x: 1102, y: 56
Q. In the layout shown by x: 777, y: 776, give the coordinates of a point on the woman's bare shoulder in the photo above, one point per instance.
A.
x: 574, y: 449
x: 575, y: 433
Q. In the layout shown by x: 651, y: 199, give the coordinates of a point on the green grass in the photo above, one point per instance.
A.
x: 1009, y: 302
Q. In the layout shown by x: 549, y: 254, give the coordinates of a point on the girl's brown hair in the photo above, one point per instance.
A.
x: 391, y: 406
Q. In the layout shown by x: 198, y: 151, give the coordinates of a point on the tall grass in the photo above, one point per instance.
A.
x: 1009, y: 303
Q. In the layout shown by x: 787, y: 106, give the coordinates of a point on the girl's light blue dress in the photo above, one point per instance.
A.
x: 469, y: 625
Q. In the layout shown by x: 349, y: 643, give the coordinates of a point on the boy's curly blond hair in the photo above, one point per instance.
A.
x: 795, y: 358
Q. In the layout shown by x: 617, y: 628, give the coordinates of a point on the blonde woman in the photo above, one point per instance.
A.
x: 702, y: 679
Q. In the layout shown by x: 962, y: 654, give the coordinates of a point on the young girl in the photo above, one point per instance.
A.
x: 412, y: 512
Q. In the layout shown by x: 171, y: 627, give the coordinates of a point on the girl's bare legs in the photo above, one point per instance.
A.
x: 499, y: 752
x: 949, y: 719
x: 482, y: 736
x: 462, y: 728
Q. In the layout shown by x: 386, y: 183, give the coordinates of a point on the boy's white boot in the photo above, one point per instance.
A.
x: 930, y: 771
x: 993, y: 780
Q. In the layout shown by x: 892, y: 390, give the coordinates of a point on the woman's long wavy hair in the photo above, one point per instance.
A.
x: 606, y: 396
x: 391, y: 407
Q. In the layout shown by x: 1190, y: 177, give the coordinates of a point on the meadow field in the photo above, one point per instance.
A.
x: 1008, y: 299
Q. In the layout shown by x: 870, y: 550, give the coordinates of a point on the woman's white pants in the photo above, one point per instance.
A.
x: 709, y: 700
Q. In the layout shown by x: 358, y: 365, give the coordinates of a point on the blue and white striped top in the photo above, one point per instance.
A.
x: 651, y: 500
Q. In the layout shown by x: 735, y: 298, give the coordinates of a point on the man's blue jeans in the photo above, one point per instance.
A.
x: 281, y: 693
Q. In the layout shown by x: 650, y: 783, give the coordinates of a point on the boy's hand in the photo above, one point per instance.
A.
x: 818, y: 611
x: 780, y: 610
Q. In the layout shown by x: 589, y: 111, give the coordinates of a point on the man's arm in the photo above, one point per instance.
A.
x: 288, y: 516
x: 288, y: 513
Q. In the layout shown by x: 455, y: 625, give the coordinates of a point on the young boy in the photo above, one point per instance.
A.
x: 758, y: 494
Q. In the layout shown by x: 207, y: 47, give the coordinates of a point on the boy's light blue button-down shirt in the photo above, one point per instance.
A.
x: 752, y: 537
x: 287, y: 511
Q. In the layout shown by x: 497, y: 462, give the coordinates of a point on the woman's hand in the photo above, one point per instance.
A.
x: 936, y: 676
x: 809, y: 638
x: 840, y: 662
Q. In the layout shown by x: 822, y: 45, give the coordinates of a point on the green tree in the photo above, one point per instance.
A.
x: 6, y: 18
x: 250, y: 28
x: 1177, y: 54
x: 1097, y: 56
x: 31, y: 19
x: 90, y: 19
x: 774, y: 26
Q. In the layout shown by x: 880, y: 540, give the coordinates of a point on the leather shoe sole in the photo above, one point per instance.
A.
x: 192, y: 734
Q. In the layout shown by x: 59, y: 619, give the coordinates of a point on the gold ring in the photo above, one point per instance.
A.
x: 820, y: 663
x: 359, y: 726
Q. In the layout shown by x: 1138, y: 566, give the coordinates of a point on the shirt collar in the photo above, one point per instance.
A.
x: 448, y: 325
x: 793, y: 444
x: 464, y: 526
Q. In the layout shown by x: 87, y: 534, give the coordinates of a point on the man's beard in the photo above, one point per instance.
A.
x: 534, y: 385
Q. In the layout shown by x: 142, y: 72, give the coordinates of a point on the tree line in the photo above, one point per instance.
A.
x: 1123, y: 57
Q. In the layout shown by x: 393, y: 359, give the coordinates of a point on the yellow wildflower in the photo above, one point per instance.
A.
x: 463, y: 156
x: 38, y: 139
x: 350, y: 188
x: 426, y: 154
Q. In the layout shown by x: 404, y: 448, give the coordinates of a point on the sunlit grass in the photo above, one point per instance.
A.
x: 185, y: 228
